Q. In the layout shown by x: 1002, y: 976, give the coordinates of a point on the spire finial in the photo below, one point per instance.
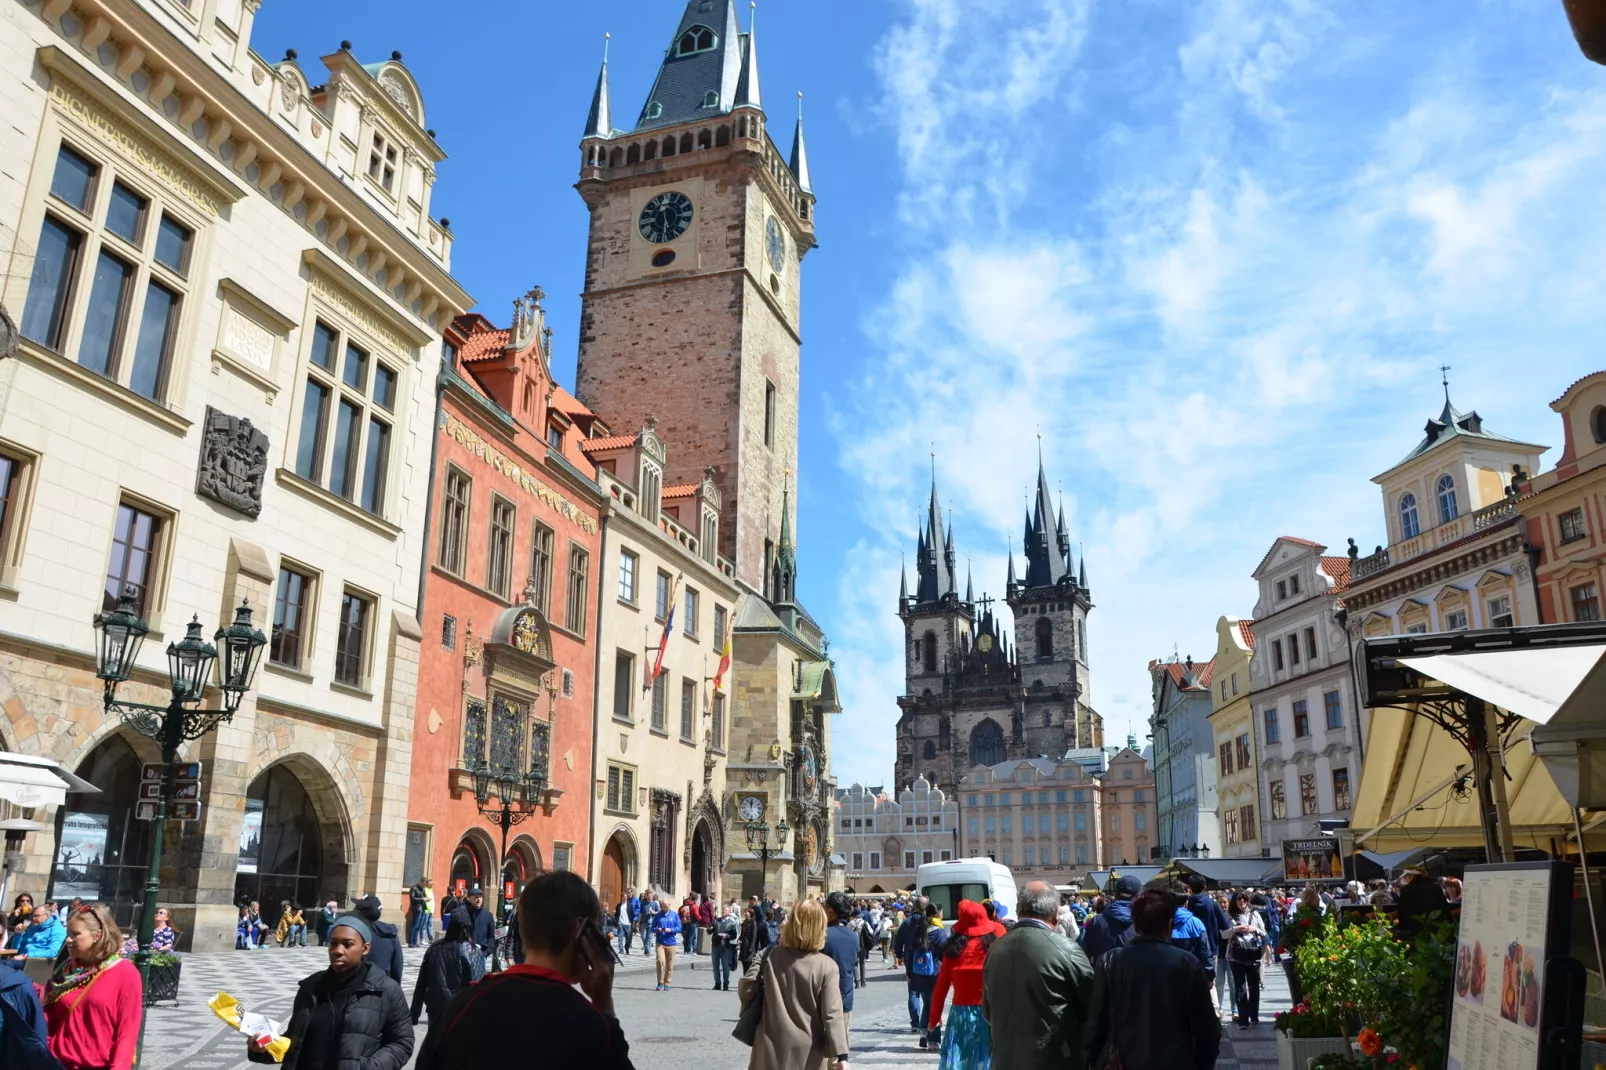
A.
x: 752, y: 14
x: 800, y: 105
x: 1444, y: 377
x: 606, y: 37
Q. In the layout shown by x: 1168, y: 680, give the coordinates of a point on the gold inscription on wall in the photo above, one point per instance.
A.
x: 154, y: 162
x: 354, y: 309
x: 476, y: 445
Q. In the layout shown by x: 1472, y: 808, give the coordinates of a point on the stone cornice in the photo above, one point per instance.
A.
x: 1405, y: 580
x: 142, y: 42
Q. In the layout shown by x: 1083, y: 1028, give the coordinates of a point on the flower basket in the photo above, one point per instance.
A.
x: 161, y: 981
x: 1295, y: 1053
x: 1588, y: 18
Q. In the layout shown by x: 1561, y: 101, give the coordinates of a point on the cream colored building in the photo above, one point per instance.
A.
x: 1232, y: 723
x: 885, y: 840
x: 661, y: 741
x: 231, y: 292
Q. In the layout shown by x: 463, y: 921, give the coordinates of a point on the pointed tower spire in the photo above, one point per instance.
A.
x: 599, y: 123
x: 1010, y: 582
x: 785, y: 553
x: 800, y: 152
x: 1081, y: 580
x: 970, y: 588
x: 903, y: 581
x: 1044, y: 567
x: 747, y: 88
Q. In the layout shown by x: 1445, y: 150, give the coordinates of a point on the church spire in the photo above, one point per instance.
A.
x: 747, y: 88
x: 785, y: 553
x: 970, y: 587
x: 934, y: 564
x: 599, y: 123
x: 800, y: 153
x: 1044, y: 568
x: 903, y: 581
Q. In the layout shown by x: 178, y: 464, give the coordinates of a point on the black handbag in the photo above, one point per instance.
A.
x: 752, y: 1014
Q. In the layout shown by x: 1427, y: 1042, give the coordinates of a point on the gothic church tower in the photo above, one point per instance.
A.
x: 690, y: 312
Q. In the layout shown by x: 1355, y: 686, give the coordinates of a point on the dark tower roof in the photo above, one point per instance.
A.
x: 689, y: 74
x: 934, y: 556
x: 800, y: 153
x: 1046, y: 562
x: 599, y: 123
x: 747, y: 88
x: 785, y: 583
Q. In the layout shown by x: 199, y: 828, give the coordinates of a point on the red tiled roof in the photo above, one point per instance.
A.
x: 564, y: 401
x: 482, y: 345
x: 1338, y: 569
x: 1292, y: 538
x: 1244, y: 630
x: 611, y: 442
x: 1179, y: 669
x: 680, y: 490
x: 1571, y: 385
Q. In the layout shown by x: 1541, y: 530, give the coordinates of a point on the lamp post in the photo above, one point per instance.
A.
x: 517, y: 797
x: 758, y: 841
x: 189, y: 666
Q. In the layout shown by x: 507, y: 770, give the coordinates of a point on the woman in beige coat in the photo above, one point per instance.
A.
x: 803, y: 1027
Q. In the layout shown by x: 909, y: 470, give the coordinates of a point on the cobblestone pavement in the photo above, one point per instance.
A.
x: 687, y: 1028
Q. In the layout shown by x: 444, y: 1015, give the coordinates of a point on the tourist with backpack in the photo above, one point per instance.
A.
x: 1245, y: 941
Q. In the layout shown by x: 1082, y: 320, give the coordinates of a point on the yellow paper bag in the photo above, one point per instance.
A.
x: 230, y: 1010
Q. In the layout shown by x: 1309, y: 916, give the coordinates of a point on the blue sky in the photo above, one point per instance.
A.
x: 1213, y: 251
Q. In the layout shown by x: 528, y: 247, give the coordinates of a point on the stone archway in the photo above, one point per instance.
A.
x: 473, y: 863
x: 703, y: 869
x: 296, y: 842
x: 102, y: 852
x: 618, y: 872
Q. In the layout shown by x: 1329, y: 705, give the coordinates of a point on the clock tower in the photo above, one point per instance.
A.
x: 690, y: 312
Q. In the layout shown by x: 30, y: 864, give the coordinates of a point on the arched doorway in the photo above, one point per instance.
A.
x: 101, y: 849
x: 470, y: 867
x: 987, y: 743
x: 281, y: 844
x: 614, y: 880
x: 702, y: 859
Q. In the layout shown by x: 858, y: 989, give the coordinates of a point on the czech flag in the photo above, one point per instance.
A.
x: 663, y: 642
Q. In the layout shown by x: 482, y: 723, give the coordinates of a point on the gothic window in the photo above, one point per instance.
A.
x: 1045, y: 639
x: 987, y: 743
x: 1048, y: 718
x: 474, y: 735
x: 541, y: 750
x: 1410, y: 527
x: 928, y: 655
x: 697, y: 39
x: 1447, y: 503
x: 507, y: 737
x: 931, y: 750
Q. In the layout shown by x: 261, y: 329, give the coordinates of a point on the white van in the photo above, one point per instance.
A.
x: 966, y: 878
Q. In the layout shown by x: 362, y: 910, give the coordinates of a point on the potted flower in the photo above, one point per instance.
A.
x: 1308, y: 923
x: 1303, y: 1034
x: 1589, y: 26
x: 162, y: 977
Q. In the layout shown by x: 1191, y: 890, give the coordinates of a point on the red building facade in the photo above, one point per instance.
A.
x: 509, y: 614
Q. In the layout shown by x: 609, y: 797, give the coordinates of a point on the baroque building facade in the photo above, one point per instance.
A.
x: 885, y: 840
x: 690, y: 327
x: 977, y: 692
x: 1232, y: 726
x: 231, y: 294
x: 509, y: 614
x: 1565, y: 509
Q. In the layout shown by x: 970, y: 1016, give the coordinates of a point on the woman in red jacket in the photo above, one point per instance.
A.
x: 967, y: 1043
x: 94, y: 1000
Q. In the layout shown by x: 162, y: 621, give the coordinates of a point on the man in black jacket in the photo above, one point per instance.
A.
x: 1150, y: 1004
x: 484, y: 922
x: 384, y: 949
x: 351, y: 1016
x: 490, y: 1023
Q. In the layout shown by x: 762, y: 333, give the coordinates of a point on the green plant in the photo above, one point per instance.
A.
x: 1418, y: 998
x: 1304, y: 1022
x: 163, y: 958
x: 1306, y: 924
x: 1347, y: 973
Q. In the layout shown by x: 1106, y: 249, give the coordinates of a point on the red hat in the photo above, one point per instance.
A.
x: 972, y: 920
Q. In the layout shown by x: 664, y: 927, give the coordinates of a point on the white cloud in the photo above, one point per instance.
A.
x: 1216, y: 266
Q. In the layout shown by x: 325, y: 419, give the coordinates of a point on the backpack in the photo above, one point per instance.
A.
x: 924, y: 963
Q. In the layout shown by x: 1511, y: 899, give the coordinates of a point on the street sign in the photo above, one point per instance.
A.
x: 150, y: 771
x: 184, y: 811
x: 150, y: 790
x: 183, y: 772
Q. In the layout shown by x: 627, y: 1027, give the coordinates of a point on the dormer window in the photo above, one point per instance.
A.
x: 1447, y: 502
x: 382, y: 162
x: 554, y: 436
x: 654, y: 110
x: 1410, y: 527
x: 695, y: 40
x: 711, y: 99
x: 710, y: 538
x: 651, y: 491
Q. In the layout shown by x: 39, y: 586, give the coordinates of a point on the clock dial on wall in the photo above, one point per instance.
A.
x: 775, y: 244
x: 752, y: 808
x: 665, y: 217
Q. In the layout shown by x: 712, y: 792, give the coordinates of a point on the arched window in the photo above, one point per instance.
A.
x: 654, y: 110
x: 987, y: 743
x: 1045, y: 639
x: 1447, y: 503
x: 928, y: 652
x: 931, y: 750
x: 711, y: 99
x: 1410, y: 528
x: 697, y: 39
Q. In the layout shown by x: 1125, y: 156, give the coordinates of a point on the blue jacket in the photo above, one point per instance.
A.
x: 842, y: 944
x: 667, y: 926
x: 635, y: 907
x: 1214, y: 920
x: 1188, y: 933
x: 43, y: 941
x: 1274, y: 924
x: 23, y: 1034
x: 1107, y: 930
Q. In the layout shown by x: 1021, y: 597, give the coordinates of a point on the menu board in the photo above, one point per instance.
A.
x: 1509, y: 922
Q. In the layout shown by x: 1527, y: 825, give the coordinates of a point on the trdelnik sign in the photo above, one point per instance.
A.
x: 1314, y: 860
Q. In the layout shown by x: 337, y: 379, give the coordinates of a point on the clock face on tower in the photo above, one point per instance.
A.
x: 775, y: 244
x: 665, y: 217
x: 984, y: 644
x: 752, y: 808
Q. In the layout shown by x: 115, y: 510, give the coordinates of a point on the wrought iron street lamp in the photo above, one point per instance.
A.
x: 758, y: 841
x: 189, y: 667
x: 517, y: 798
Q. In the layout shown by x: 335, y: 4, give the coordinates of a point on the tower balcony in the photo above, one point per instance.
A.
x: 1499, y: 514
